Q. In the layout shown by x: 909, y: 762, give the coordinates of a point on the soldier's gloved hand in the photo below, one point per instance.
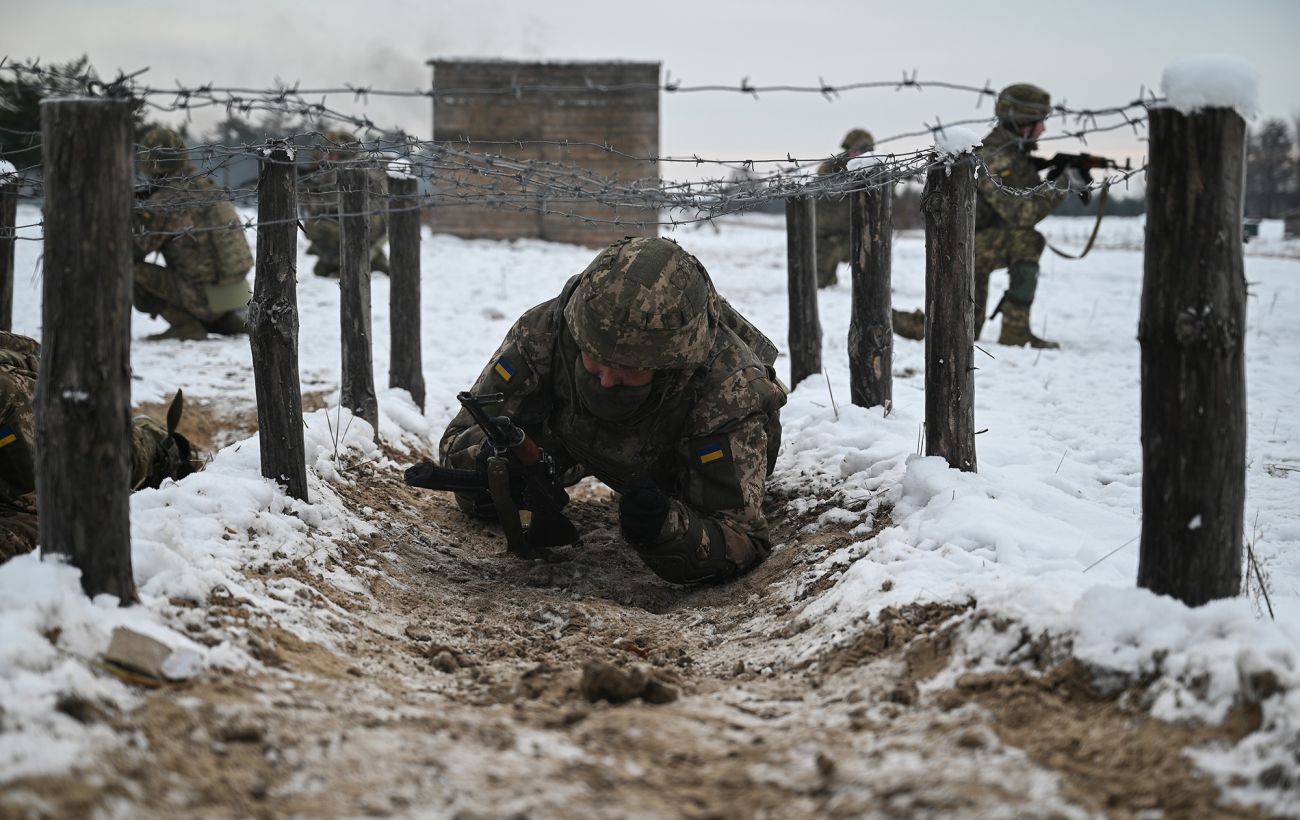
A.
x: 641, y: 511
x: 418, y: 475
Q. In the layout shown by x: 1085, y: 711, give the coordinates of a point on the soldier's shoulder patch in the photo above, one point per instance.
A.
x: 505, y: 368
x: 715, y: 480
x: 7, y: 436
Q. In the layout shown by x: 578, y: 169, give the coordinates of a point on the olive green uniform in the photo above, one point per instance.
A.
x: 706, y: 430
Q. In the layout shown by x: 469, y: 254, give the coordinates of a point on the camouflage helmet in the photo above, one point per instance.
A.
x: 163, y: 153
x: 859, y: 138
x: 1023, y: 104
x: 338, y: 144
x: 644, y: 302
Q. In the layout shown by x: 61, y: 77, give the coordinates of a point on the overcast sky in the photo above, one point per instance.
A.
x: 1091, y: 54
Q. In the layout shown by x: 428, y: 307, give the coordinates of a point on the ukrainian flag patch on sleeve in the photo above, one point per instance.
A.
x: 7, y: 436
x: 710, y: 453
x: 504, y: 369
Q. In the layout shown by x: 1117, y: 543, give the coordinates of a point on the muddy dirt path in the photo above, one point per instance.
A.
x: 467, y: 683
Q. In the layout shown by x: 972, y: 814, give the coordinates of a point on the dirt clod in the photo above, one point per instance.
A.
x: 604, y: 681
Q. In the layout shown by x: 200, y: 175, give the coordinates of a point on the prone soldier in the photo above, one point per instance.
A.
x: 156, y: 452
x: 641, y: 374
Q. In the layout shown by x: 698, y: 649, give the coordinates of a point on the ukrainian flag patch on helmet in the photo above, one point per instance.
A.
x: 7, y: 436
x: 504, y: 369
x: 710, y: 453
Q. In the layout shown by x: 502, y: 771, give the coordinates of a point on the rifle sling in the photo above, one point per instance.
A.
x: 1101, y: 210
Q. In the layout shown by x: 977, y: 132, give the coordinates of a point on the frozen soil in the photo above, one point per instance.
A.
x: 464, y: 682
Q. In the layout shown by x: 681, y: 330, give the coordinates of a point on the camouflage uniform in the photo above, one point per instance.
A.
x: 1004, y: 223
x: 833, y: 211
x: 204, y: 285
x: 706, y: 429
x: 153, y: 455
x: 318, y: 195
x: 1005, y: 236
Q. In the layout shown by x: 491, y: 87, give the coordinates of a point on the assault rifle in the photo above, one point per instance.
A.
x: 518, y: 474
x: 1077, y: 169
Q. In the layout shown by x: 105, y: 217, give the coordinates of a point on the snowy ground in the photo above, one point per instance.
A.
x: 1026, y: 565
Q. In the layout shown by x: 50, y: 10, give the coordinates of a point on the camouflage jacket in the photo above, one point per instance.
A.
x: 1006, y: 156
x: 708, y: 436
x: 216, y: 253
x: 318, y: 195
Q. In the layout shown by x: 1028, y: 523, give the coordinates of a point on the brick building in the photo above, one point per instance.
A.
x: 480, y: 104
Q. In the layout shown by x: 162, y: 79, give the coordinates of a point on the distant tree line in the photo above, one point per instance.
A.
x: 1273, y: 169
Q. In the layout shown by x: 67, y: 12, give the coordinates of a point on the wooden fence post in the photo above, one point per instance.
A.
x: 8, y: 236
x: 1192, y: 331
x: 83, y: 395
x: 273, y: 323
x: 871, y: 332
x: 805, y: 333
x: 948, y: 204
x: 358, y: 394
x: 405, y: 367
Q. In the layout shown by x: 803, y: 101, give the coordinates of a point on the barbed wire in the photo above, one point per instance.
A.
x: 455, y: 175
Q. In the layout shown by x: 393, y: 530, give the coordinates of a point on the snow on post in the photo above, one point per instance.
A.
x: 1212, y: 81
x: 1192, y: 328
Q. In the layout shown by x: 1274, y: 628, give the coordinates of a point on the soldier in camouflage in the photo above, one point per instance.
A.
x: 318, y: 195
x: 1005, y: 236
x: 833, y: 211
x: 155, y: 454
x: 182, y: 217
x: 641, y: 374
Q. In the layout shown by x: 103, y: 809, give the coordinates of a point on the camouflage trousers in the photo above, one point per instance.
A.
x: 1017, y: 250
x: 160, y: 291
x: 324, y: 237
x: 832, y: 249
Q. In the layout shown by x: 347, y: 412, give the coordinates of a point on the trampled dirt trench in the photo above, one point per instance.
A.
x: 455, y: 688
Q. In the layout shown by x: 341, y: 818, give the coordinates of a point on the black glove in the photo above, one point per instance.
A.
x: 641, y: 511
x: 419, y: 475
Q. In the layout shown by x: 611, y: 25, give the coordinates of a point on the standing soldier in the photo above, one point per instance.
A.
x: 181, y: 216
x: 1005, y: 236
x: 156, y: 453
x: 833, y: 211
x: 640, y: 374
x: 319, y: 195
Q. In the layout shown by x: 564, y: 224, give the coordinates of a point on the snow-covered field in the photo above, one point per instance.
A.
x: 1045, y: 534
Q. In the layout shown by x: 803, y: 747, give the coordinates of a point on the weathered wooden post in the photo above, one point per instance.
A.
x: 948, y: 203
x: 805, y: 333
x: 871, y: 332
x: 8, y: 235
x: 273, y: 323
x: 406, y: 366
x: 83, y: 396
x: 354, y: 300
x: 1192, y: 331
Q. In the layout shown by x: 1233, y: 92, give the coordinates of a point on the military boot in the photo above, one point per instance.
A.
x: 910, y: 325
x: 183, y: 326
x: 1015, y: 328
